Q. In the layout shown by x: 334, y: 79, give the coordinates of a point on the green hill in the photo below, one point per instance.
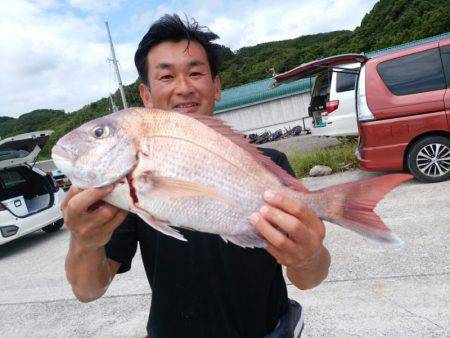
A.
x: 32, y: 121
x: 390, y: 22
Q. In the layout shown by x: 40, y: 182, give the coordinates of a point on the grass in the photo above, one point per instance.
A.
x: 339, y: 158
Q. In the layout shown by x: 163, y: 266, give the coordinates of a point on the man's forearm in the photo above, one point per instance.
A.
x: 313, y: 273
x: 87, y: 271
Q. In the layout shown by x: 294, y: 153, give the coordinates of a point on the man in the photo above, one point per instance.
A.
x: 203, y: 287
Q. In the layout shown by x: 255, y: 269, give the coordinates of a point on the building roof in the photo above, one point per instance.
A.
x: 262, y: 91
x: 258, y: 92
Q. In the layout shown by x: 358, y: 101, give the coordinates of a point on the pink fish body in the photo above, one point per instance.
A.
x: 176, y: 170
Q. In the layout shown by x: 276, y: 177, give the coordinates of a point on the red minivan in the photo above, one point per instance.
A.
x: 403, y: 108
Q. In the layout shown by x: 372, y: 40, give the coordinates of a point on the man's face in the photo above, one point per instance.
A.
x: 180, y: 79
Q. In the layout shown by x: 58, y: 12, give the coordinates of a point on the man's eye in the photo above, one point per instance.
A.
x: 166, y: 77
x: 196, y: 74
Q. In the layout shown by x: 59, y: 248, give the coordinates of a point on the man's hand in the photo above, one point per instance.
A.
x: 295, y: 236
x: 90, y: 220
x: 91, y: 223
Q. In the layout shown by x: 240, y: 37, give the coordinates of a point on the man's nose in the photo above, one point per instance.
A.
x: 183, y: 86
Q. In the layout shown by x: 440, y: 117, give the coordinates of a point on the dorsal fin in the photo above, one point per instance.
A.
x: 237, y: 138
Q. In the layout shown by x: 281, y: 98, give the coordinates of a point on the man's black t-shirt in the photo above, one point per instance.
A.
x: 204, y: 287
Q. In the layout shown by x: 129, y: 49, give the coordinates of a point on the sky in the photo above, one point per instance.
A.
x: 54, y: 54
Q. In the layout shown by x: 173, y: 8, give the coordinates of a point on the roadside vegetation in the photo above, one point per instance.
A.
x: 339, y: 158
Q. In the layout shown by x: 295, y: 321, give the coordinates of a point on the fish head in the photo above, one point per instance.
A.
x: 99, y: 152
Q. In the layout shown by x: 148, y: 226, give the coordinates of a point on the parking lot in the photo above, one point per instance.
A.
x: 371, y: 290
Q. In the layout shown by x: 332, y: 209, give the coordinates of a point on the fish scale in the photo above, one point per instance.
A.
x: 214, y: 215
x: 175, y: 125
x: 219, y: 174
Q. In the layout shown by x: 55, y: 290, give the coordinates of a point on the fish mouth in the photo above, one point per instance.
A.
x: 84, y: 177
x: 61, y: 153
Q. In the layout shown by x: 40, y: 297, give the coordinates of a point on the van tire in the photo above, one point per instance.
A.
x: 54, y: 226
x: 425, y: 146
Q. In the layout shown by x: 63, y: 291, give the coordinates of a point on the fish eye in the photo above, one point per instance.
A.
x: 100, y: 132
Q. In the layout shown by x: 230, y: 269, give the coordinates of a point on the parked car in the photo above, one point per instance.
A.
x: 332, y: 104
x: 61, y: 179
x: 29, y: 198
x: 403, y: 105
x: 403, y: 108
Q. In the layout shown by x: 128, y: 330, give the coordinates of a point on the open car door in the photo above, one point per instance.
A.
x: 316, y: 67
x: 23, y: 148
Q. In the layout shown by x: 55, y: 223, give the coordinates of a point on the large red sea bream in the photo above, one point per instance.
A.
x: 177, y: 170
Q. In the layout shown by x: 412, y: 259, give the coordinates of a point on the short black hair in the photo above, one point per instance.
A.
x: 172, y: 28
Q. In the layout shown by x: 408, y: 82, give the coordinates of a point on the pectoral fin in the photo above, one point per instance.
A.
x: 160, y: 186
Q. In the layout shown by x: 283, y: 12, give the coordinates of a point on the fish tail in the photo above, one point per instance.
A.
x: 352, y: 205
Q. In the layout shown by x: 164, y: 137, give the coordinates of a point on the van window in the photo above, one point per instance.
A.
x: 445, y: 55
x: 415, y: 73
x: 345, y: 82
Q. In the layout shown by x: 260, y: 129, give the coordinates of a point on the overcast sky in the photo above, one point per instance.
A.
x: 53, y: 54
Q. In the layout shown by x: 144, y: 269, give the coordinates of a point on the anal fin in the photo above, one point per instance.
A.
x: 247, y: 240
x: 161, y: 226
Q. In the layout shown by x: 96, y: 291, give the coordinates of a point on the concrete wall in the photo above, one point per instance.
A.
x: 270, y: 116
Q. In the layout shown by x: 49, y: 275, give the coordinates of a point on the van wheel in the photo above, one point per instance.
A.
x: 429, y: 159
x: 54, y: 226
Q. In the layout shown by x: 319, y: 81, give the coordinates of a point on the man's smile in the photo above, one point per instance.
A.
x: 186, y: 105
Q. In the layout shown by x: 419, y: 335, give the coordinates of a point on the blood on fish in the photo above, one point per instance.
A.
x: 133, y: 194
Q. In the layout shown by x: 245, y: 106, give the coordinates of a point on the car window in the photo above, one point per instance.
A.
x: 445, y: 56
x: 12, y: 154
x: 322, y: 85
x: 414, y: 73
x: 345, y: 82
x: 325, y: 86
x: 11, y: 178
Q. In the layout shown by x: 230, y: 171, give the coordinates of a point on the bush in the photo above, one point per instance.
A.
x: 339, y: 158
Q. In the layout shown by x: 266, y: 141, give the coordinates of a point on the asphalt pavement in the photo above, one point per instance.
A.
x: 371, y: 291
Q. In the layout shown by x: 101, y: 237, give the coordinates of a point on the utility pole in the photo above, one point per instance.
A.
x: 114, y: 61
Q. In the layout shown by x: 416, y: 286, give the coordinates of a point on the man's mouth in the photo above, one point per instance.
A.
x: 187, y: 105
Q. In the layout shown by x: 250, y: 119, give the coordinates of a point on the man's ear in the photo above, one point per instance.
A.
x: 145, y: 96
x: 217, y: 88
